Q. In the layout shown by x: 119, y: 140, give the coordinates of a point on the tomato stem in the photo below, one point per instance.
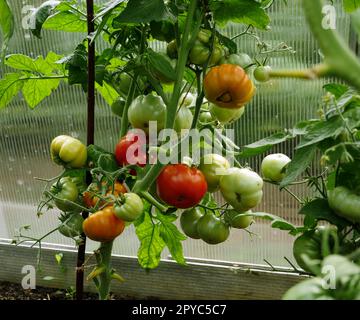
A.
x: 148, y: 197
x: 103, y: 258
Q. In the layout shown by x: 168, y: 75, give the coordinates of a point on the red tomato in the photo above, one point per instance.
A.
x: 181, y: 186
x: 129, y: 149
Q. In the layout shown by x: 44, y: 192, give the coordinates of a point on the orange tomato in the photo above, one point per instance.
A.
x: 91, y: 200
x: 228, y: 86
x: 103, y: 226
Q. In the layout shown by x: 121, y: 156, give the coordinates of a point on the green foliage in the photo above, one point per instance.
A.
x: 40, y: 15
x: 351, y: 5
x: 240, y: 11
x: 6, y: 26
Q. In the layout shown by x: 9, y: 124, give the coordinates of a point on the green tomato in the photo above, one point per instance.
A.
x: 272, y: 166
x: 118, y: 106
x: 311, y: 243
x: 71, y: 225
x: 189, y: 220
x: 199, y: 54
x: 213, y: 166
x: 238, y: 220
x: 131, y: 209
x: 206, y: 117
x: 171, y: 50
x: 187, y: 99
x: 224, y: 115
x: 204, y: 35
x: 345, y: 203
x: 242, y: 59
x: 262, y: 73
x: 147, y: 108
x: 65, y: 190
x: 183, y: 119
x: 123, y: 82
x: 212, y: 229
x: 68, y: 151
x: 241, y: 188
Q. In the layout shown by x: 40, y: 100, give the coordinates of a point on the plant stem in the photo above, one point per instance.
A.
x: 90, y: 139
x: 154, y: 171
x: 103, y: 258
x: 124, y: 118
x: 342, y: 62
x: 148, y: 197
x: 318, y: 71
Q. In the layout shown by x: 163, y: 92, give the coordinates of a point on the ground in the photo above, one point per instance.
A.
x: 11, y: 291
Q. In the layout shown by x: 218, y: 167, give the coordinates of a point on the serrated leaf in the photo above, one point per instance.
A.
x: 319, y: 209
x: 35, y: 90
x: 10, y: 86
x: 300, y: 162
x: 66, y: 21
x: 107, y: 92
x: 143, y: 11
x: 39, y: 16
x: 20, y: 62
x: 276, y: 221
x: 321, y: 131
x: 151, y: 243
x: 263, y: 145
x: 172, y: 238
x: 336, y: 89
x: 248, y: 12
x: 6, y: 26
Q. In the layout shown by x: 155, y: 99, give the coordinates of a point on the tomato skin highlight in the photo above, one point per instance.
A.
x: 103, y: 226
x: 181, y: 186
x: 228, y: 86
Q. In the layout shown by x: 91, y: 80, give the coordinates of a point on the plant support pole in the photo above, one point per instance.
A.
x: 90, y: 138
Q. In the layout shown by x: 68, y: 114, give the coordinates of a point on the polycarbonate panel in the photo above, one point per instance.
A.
x: 25, y: 135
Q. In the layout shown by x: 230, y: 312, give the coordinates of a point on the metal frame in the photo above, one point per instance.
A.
x: 201, y: 279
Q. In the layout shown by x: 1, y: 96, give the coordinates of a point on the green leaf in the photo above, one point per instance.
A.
x: 240, y: 11
x: 300, y: 162
x: 159, y: 63
x: 263, y: 145
x: 36, y: 90
x: 40, y: 15
x: 143, y: 11
x: 351, y: 5
x: 321, y: 131
x: 10, y: 86
x: 39, y: 65
x: 172, y: 238
x: 151, y: 243
x: 319, y: 209
x: 336, y: 89
x: 101, y: 158
x: 276, y: 222
x: 59, y: 257
x: 66, y: 21
x: 6, y: 26
x: 107, y: 92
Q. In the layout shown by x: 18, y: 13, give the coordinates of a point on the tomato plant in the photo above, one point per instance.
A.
x: 142, y: 84
x: 273, y: 165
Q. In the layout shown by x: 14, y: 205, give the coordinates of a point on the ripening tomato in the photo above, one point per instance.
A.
x: 90, y: 199
x: 103, y: 225
x: 212, y: 229
x: 273, y: 165
x: 228, y: 86
x: 181, y: 186
x: 129, y: 149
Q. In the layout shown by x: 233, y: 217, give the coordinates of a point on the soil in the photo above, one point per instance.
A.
x: 12, y: 291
